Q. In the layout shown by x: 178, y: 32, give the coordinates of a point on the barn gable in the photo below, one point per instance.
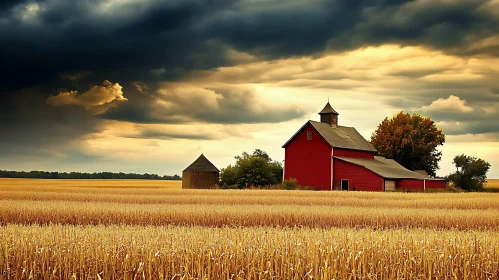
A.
x: 338, y: 137
x: 308, y: 159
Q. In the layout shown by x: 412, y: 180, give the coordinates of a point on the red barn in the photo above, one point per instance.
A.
x: 328, y: 156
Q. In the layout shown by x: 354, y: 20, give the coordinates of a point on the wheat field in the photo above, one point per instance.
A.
x: 90, y: 183
x: 99, y: 229
x: 492, y: 183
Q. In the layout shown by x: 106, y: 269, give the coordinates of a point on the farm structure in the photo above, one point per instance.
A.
x: 201, y: 174
x: 327, y: 156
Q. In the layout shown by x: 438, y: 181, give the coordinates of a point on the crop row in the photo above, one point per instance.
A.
x: 104, y: 213
x: 124, y: 252
x: 131, y: 195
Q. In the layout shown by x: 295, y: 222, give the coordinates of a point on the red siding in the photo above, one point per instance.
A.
x: 360, y: 178
x: 436, y: 184
x: 309, y: 161
x: 419, y: 185
x: 337, y: 152
x: 410, y: 185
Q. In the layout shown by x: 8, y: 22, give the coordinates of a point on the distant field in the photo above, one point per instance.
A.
x: 492, y: 183
x: 93, y: 183
x: 139, y: 229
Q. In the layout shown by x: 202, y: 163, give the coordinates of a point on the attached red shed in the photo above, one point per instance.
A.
x: 327, y: 156
x: 379, y: 174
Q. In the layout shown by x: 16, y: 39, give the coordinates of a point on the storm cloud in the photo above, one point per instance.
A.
x: 96, y: 96
x: 32, y: 128
x: 127, y: 40
x: 190, y: 104
x: 222, y: 63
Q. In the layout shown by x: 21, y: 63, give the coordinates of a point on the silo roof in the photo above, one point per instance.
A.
x: 202, y: 164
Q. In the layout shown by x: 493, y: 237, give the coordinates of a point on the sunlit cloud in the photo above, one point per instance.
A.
x: 212, y: 103
x: 94, y: 97
x: 451, y: 104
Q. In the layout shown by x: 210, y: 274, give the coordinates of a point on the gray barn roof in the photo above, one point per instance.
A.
x: 202, y: 164
x: 343, y: 137
x: 328, y: 110
x: 386, y: 168
x: 340, y: 137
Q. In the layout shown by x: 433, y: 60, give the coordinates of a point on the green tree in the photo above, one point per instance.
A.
x: 256, y: 169
x: 471, y: 173
x: 410, y: 140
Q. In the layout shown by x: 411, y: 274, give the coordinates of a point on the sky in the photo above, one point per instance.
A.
x: 146, y: 86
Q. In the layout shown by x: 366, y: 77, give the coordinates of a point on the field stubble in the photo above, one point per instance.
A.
x: 145, y: 231
x: 124, y: 252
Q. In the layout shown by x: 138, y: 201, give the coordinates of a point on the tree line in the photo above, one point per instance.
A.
x: 83, y: 175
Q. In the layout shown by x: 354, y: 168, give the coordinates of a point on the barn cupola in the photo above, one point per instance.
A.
x: 329, y: 115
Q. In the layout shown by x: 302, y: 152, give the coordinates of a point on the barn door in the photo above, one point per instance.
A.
x: 344, y: 185
x: 389, y: 186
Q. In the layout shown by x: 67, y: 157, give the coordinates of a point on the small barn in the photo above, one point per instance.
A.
x: 327, y: 156
x: 201, y: 174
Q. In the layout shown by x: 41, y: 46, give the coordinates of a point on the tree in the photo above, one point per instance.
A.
x: 471, y: 173
x: 410, y: 140
x: 256, y: 169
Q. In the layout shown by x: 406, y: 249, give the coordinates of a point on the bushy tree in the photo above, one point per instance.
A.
x: 256, y: 169
x: 471, y: 173
x: 410, y: 140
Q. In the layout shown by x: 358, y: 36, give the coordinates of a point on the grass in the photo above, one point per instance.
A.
x: 132, y: 229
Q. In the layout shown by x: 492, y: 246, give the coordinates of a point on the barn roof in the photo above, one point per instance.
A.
x: 328, y: 110
x: 422, y: 172
x: 339, y: 137
x: 386, y: 168
x: 342, y: 137
x: 202, y: 164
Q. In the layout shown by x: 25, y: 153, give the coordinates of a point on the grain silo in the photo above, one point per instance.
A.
x: 201, y: 174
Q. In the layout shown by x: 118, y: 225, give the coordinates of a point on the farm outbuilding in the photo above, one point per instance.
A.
x: 327, y: 156
x: 201, y: 174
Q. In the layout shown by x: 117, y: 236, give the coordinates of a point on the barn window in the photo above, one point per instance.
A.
x: 309, y: 135
x: 344, y: 185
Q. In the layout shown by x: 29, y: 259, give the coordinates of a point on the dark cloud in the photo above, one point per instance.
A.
x: 51, y: 46
x: 187, y: 104
x: 6, y: 5
x: 184, y: 35
x: 482, y: 126
x: 68, y: 36
x: 443, y: 25
x: 415, y: 73
x: 32, y: 128
x: 165, y: 134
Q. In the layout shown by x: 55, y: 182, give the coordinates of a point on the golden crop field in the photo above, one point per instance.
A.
x: 492, y: 183
x: 51, y: 183
x: 99, y: 229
